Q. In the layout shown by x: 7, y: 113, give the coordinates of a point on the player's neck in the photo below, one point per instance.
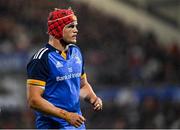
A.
x: 57, y: 44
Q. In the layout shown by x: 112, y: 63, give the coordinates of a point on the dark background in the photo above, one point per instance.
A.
x: 135, y: 72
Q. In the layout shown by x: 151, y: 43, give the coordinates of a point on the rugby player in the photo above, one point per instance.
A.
x: 56, y: 79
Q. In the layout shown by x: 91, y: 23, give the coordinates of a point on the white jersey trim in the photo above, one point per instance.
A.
x: 39, y: 54
x: 42, y: 53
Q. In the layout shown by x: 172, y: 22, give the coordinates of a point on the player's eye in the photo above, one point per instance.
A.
x: 71, y: 26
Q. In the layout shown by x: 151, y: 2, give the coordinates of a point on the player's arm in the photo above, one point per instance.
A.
x: 37, y: 73
x: 37, y: 102
x: 87, y: 93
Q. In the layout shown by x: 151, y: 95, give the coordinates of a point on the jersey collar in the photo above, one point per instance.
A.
x: 51, y: 48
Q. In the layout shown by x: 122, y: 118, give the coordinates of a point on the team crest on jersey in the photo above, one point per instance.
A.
x: 59, y: 65
x: 78, y: 60
x: 70, y: 69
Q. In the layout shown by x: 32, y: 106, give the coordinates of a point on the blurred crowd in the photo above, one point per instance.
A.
x: 149, y: 114
x: 116, y: 54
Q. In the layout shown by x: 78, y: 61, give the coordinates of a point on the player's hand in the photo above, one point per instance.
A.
x: 98, y: 105
x: 75, y: 119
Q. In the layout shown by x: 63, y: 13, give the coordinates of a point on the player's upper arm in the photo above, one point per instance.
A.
x: 37, y: 75
x: 84, y: 80
x: 36, y: 83
x: 34, y: 93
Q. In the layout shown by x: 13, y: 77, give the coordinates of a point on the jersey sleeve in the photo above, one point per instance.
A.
x: 37, y: 72
x: 83, y: 74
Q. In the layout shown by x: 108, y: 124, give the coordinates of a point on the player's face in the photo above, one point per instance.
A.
x: 70, y: 32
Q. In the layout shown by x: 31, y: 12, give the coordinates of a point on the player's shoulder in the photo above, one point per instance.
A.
x: 41, y: 53
x: 39, y: 58
x: 74, y: 47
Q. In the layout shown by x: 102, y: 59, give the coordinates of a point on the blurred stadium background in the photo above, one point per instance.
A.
x: 131, y: 50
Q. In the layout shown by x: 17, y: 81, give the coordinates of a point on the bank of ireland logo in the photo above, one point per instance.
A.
x: 59, y: 65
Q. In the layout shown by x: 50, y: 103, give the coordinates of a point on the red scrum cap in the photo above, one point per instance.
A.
x: 58, y: 19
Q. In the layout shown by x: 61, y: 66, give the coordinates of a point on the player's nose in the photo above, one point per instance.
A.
x: 75, y: 30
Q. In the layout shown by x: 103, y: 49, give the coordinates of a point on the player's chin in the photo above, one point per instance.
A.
x: 73, y: 41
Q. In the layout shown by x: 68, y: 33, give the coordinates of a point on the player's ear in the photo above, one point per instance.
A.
x: 56, y: 9
x: 70, y: 8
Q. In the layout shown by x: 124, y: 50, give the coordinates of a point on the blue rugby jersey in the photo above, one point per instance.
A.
x: 60, y: 76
